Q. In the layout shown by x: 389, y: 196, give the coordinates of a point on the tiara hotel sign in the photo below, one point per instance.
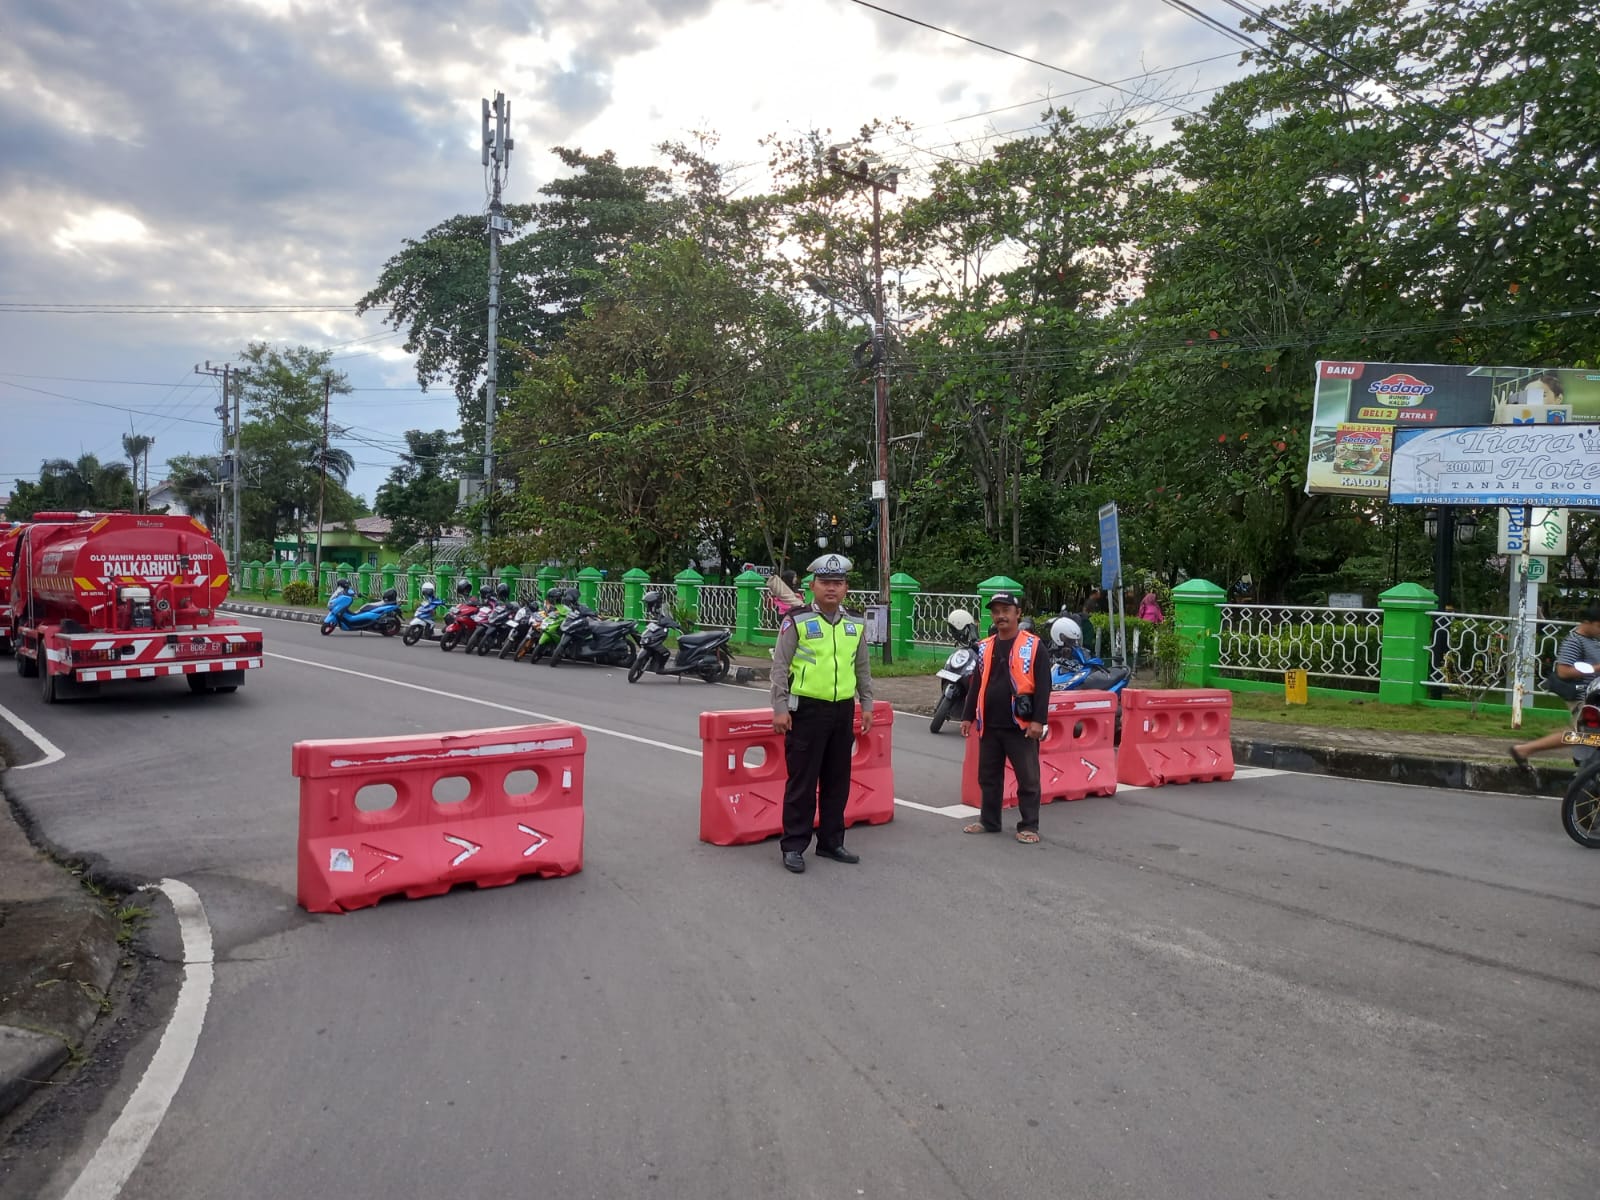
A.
x: 1547, y: 466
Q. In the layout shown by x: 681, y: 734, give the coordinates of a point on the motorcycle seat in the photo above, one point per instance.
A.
x: 600, y: 628
x: 704, y: 638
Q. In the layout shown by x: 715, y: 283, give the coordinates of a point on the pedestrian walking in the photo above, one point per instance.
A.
x: 820, y: 669
x: 1150, y: 608
x: 1007, y: 711
x: 1577, y: 658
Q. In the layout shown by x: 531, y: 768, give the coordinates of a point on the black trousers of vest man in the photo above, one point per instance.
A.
x: 817, y: 749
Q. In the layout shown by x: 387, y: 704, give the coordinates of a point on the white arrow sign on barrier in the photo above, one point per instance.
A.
x: 468, y: 848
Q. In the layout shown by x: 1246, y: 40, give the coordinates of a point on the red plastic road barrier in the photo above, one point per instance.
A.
x: 1175, y: 737
x: 742, y: 802
x: 522, y: 815
x: 1077, y: 757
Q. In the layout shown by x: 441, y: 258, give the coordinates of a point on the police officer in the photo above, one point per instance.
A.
x: 820, y: 670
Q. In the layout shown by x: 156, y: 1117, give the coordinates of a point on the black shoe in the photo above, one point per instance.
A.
x: 838, y: 854
x: 794, y: 861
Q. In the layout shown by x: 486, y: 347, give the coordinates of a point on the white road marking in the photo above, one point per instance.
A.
x: 52, y: 752
x: 125, y: 1142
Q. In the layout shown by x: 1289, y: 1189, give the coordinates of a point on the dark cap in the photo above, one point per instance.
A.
x: 1010, y: 598
x: 1591, y: 613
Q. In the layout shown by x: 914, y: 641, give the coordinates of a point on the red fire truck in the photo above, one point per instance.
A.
x: 101, y: 597
x: 9, y: 531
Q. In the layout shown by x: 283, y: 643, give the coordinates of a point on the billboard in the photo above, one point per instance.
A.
x: 1359, y: 405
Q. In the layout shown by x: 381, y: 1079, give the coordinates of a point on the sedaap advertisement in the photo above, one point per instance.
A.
x: 1359, y: 405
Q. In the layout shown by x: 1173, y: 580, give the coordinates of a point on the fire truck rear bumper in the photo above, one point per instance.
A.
x: 156, y: 670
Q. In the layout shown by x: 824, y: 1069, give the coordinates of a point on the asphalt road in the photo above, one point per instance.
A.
x: 1281, y: 986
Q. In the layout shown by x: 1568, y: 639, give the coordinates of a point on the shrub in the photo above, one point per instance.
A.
x: 299, y: 593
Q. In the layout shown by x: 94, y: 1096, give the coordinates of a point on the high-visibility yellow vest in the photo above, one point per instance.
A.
x: 824, y: 663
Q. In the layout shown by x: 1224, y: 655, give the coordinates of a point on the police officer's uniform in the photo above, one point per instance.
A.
x: 820, y: 669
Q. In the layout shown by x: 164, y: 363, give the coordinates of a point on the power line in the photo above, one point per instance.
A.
x: 122, y: 408
x: 1212, y: 23
x: 889, y: 12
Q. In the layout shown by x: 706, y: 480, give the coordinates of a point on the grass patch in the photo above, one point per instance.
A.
x: 1396, y: 718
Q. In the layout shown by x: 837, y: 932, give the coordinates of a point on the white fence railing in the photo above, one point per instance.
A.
x: 1328, y: 643
x: 719, y: 606
x: 608, y: 597
x: 1471, y: 655
x: 931, y: 610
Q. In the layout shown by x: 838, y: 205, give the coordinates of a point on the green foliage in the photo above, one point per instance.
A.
x: 419, y: 497
x: 76, y: 486
x: 298, y: 592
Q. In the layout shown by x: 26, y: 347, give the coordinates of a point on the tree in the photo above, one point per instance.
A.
x: 83, y: 484
x: 137, y: 447
x: 419, y: 497
x: 196, y: 480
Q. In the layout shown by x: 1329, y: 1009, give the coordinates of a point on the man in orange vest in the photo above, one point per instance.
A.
x: 1007, y: 709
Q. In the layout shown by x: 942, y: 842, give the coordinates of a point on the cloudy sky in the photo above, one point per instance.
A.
x: 273, y: 153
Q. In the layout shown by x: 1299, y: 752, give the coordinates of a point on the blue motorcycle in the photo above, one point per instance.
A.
x: 377, y: 616
x: 1073, y: 669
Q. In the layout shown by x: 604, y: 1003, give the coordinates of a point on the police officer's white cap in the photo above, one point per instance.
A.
x: 830, y: 566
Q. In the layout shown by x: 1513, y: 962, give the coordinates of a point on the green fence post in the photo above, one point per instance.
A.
x: 752, y: 586
x: 1404, y: 659
x: 689, y: 581
x: 364, y: 576
x: 512, y: 578
x: 903, y: 592
x: 414, y: 583
x: 1197, y: 617
x: 633, y: 585
x: 302, y: 573
x: 589, y: 586
x: 386, y: 577
x: 444, y: 584
x: 986, y: 589
x: 547, y: 576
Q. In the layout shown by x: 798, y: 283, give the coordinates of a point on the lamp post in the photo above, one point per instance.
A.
x: 1447, y: 531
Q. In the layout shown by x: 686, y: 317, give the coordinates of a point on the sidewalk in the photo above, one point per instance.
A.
x: 58, y: 955
x: 1442, y: 760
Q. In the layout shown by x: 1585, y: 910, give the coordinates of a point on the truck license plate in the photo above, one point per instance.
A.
x: 1581, y: 739
x: 198, y: 649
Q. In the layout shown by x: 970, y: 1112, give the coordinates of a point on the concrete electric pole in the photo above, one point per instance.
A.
x: 497, y: 145
x: 888, y: 181
x: 230, y: 477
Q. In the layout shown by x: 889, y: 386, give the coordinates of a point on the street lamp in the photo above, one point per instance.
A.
x: 1467, y: 529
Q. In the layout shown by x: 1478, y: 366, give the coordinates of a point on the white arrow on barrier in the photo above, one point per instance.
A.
x: 1093, y: 770
x: 539, y: 840
x: 468, y: 848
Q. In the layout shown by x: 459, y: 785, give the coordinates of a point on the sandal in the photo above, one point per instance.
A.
x: 1520, y: 759
x: 1028, y: 837
x: 978, y: 827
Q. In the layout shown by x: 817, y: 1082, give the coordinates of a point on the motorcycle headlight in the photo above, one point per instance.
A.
x: 961, y: 658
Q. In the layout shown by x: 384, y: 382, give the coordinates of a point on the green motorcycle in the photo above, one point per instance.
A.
x: 545, y: 633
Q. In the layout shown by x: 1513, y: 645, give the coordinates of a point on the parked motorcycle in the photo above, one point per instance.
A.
x: 958, y: 668
x: 521, y: 624
x: 463, y: 618
x: 586, y: 638
x: 704, y: 654
x: 1580, y: 806
x: 422, y: 623
x: 1074, y: 669
x: 494, y: 628
x: 377, y: 616
x: 545, y: 633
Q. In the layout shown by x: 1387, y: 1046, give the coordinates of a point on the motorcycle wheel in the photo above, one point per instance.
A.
x: 558, y: 653
x: 483, y: 646
x: 1580, y: 807
x: 627, y: 656
x: 326, y: 629
x: 717, y: 671
x: 448, y: 642
x: 509, y: 649
x: 940, y: 715
x: 641, y: 663
x: 413, y: 635
x: 389, y: 626
x: 537, y: 652
x: 473, y: 639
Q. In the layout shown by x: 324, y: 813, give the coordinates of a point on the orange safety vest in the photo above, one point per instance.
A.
x: 1023, y: 650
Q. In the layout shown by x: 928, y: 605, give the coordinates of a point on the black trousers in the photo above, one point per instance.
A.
x: 997, y: 745
x: 818, y: 747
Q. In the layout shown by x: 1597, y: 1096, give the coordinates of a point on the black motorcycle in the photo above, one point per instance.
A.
x: 586, y: 638
x: 703, y: 654
x: 956, y: 675
x: 521, y: 624
x: 492, y: 631
x: 1580, y: 806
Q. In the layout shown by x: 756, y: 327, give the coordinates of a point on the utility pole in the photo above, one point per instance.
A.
x: 862, y: 173
x: 229, y: 476
x: 322, y: 481
x: 497, y: 146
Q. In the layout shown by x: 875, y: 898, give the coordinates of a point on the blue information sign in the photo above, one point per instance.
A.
x: 1110, y: 547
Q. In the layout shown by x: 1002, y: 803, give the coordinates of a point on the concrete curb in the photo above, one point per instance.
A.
x: 58, y: 959
x: 1345, y: 763
x: 270, y: 610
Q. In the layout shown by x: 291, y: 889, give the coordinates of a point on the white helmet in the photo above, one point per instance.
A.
x: 427, y: 587
x: 1064, y: 631
x: 960, y: 620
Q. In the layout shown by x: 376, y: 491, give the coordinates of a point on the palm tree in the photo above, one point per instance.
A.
x: 137, y: 446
